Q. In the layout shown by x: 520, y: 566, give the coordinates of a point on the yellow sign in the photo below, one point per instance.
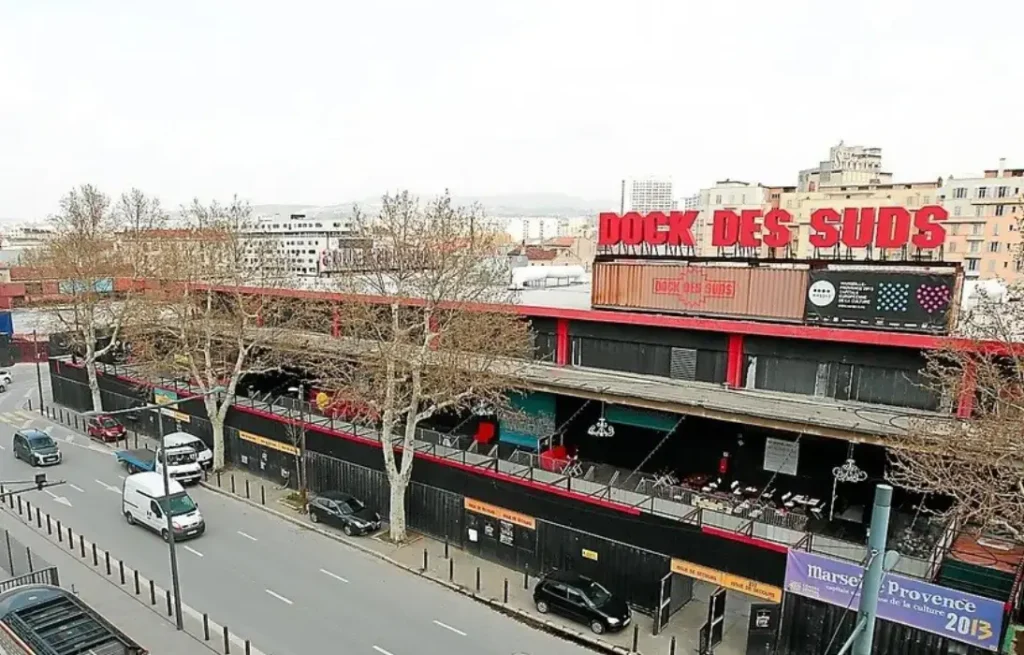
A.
x: 500, y: 513
x: 164, y: 397
x: 322, y: 401
x: 590, y: 554
x: 268, y: 443
x: 727, y: 580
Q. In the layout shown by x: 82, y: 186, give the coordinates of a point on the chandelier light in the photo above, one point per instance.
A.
x: 602, y: 429
x: 848, y: 472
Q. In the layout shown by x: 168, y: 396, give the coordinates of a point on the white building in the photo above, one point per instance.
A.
x: 726, y: 194
x: 846, y: 165
x: 647, y: 194
x: 690, y: 202
x: 302, y: 240
x: 537, y: 229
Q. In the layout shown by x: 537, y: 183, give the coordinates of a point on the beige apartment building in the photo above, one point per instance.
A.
x: 801, y: 204
x: 985, y: 217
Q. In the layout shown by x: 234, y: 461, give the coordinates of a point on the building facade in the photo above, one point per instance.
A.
x: 301, y: 241
x: 646, y: 195
x: 727, y: 194
x: 845, y: 166
x: 985, y: 217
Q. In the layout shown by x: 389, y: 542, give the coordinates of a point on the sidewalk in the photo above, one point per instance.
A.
x: 460, y: 570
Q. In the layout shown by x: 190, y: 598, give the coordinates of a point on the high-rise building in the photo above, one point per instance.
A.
x: 846, y: 165
x: 985, y: 215
x: 647, y: 194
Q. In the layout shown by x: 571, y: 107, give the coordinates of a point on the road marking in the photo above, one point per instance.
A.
x: 448, y: 627
x: 121, y: 476
x: 60, y: 499
x: 108, y: 487
x: 76, y: 488
x: 333, y: 575
x: 3, y: 447
x: 279, y: 597
x: 193, y: 551
x: 248, y: 536
x: 26, y: 423
x: 381, y: 650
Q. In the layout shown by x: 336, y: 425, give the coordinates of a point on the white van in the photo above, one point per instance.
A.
x: 143, y: 502
x: 205, y: 455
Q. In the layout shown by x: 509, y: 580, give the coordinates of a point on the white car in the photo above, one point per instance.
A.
x: 203, y: 453
x: 5, y: 379
x: 143, y: 503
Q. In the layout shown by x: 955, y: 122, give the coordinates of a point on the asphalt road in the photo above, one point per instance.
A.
x: 290, y: 591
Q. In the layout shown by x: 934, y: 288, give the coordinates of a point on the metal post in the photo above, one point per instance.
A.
x: 10, y: 554
x: 636, y: 637
x: 446, y: 548
x: 175, y: 582
x: 28, y: 555
x: 49, y: 526
x: 505, y: 597
x: 39, y: 518
x: 227, y: 642
x: 71, y: 540
x: 28, y: 510
x: 60, y: 531
x: 451, y: 570
x: 170, y: 609
x: 872, y: 580
x: 95, y: 556
x: 232, y: 483
x: 135, y: 575
x: 106, y: 557
x: 39, y: 372
x: 21, y: 508
x: 206, y: 626
x: 263, y: 494
x: 152, y: 593
x: 120, y: 567
x: 477, y: 579
x: 247, y: 648
x: 424, y: 559
x: 247, y: 488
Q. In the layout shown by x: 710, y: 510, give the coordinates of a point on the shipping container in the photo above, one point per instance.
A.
x: 6, y: 323
x: 775, y: 294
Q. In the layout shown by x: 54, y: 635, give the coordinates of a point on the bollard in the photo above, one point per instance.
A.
x: 20, y: 508
x: 247, y: 647
x: 672, y: 646
x: 106, y: 556
x: 136, y: 576
x: 71, y: 540
x: 247, y: 488
x: 263, y: 494
x: 636, y: 636
x: 136, y: 438
x: 81, y: 545
x: 526, y: 579
x: 451, y: 570
x: 478, y: 579
x: 76, y: 424
x: 49, y: 526
x: 28, y: 556
x: 60, y: 531
x: 206, y: 626
x: 120, y: 567
x: 424, y: 559
x: 170, y: 609
x: 39, y: 518
x: 30, y: 404
x: 232, y: 483
x: 95, y: 556
x: 152, y: 593
x: 218, y: 479
x: 28, y: 510
x: 227, y: 642
x: 505, y: 597
x: 446, y: 548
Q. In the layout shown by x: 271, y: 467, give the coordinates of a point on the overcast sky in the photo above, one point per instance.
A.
x: 323, y: 102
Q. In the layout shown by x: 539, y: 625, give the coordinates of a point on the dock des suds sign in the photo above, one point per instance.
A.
x: 950, y: 613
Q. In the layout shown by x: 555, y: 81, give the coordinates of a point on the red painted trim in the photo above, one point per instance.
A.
x: 968, y: 386
x: 744, y: 539
x: 734, y: 362
x: 562, y: 342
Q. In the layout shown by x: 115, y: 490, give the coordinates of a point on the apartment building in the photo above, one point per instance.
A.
x: 733, y: 195
x: 845, y: 166
x: 985, y: 217
x: 646, y: 195
x: 801, y: 204
x: 302, y: 241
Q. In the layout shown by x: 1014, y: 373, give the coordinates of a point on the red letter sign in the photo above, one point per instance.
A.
x: 824, y: 225
x: 930, y: 233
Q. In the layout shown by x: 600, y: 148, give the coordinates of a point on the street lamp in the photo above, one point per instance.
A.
x: 167, y: 485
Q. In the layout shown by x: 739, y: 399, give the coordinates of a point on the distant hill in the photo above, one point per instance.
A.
x: 512, y: 204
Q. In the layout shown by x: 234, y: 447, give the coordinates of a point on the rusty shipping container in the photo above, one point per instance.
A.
x: 775, y: 294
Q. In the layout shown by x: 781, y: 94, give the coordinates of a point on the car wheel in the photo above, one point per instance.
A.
x: 128, y: 517
x: 313, y: 517
x: 542, y: 607
x: 348, y: 529
x: 597, y: 627
x: 164, y: 535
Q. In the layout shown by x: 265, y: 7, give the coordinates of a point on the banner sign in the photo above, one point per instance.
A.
x: 950, y: 613
x: 880, y: 300
x: 165, y: 397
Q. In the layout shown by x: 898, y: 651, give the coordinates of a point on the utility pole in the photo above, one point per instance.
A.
x: 863, y: 635
x: 39, y: 373
x: 162, y: 458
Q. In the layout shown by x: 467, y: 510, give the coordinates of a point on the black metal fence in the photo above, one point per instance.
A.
x: 18, y: 561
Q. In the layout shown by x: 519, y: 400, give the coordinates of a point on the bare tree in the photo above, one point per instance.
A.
x: 425, y: 347
x: 83, y: 257
x: 975, y: 461
x: 207, y: 324
x: 138, y: 212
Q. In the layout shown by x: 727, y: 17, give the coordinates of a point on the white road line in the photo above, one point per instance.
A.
x: 448, y: 627
x: 381, y: 650
x: 193, y: 551
x: 121, y: 476
x: 76, y: 488
x: 333, y: 575
x: 3, y: 447
x: 248, y: 536
x: 279, y: 597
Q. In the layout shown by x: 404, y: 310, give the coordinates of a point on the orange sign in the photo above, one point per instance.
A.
x: 727, y: 580
x: 501, y: 513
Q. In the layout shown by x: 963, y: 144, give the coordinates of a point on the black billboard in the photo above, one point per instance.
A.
x: 908, y: 302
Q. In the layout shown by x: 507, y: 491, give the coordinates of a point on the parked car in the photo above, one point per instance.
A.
x: 105, y: 428
x: 36, y: 447
x: 344, y: 511
x: 5, y: 377
x: 203, y: 453
x: 579, y: 598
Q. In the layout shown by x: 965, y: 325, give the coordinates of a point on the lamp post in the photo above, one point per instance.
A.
x: 162, y: 458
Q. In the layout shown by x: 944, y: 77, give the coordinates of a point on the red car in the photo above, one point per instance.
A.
x: 105, y: 428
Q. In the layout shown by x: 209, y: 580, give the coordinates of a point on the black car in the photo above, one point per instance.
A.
x: 579, y: 598
x: 36, y: 447
x: 345, y: 511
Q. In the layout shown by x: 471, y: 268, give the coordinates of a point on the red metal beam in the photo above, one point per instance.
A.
x: 734, y: 362
x: 562, y: 342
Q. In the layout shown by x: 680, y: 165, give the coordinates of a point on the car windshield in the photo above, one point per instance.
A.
x: 41, y: 441
x: 108, y: 422
x: 176, y: 458
x: 350, y: 505
x: 179, y: 505
x: 596, y: 593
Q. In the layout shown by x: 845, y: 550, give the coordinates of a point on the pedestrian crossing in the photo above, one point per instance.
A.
x: 19, y: 418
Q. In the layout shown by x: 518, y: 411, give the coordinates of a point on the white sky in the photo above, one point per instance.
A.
x: 324, y: 102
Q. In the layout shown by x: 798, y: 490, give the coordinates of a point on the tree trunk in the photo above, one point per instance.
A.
x: 94, y: 385
x: 218, y: 441
x: 396, y: 516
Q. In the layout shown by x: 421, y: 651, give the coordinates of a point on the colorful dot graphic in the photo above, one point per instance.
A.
x: 933, y: 298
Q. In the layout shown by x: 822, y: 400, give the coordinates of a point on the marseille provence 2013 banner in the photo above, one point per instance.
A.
x: 948, y: 612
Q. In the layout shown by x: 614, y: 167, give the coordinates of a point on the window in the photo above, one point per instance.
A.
x: 981, y: 192
x: 960, y: 192
x: 153, y: 507
x: 972, y: 264
x: 718, y: 199
x: 1000, y: 210
x: 925, y: 200
x: 972, y: 246
x: 993, y: 246
x: 976, y: 229
x: 576, y: 596
x: 978, y: 211
x: 956, y: 210
x: 956, y: 229
x: 1002, y: 192
x: 952, y: 246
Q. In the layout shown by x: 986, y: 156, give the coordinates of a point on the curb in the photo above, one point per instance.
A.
x: 521, y: 615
